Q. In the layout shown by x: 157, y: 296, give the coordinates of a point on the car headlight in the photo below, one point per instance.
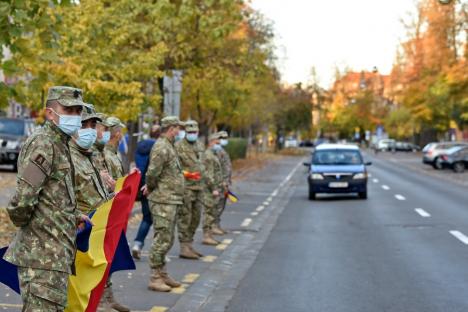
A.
x: 360, y: 176
x: 316, y: 176
x: 12, y: 145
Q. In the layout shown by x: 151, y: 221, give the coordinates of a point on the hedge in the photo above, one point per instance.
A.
x: 237, y: 148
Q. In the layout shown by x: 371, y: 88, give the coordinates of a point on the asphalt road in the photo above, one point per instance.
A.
x: 403, y: 249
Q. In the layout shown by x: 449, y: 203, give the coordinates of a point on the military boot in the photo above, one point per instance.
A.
x: 209, y: 240
x: 195, y: 251
x: 157, y: 283
x: 216, y: 230
x: 187, y: 253
x: 168, y: 280
x: 111, y: 302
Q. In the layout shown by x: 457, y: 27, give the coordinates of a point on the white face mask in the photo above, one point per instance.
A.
x: 192, y: 137
x: 86, y: 137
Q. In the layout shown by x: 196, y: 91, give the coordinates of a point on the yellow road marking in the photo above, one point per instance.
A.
x: 227, y: 241
x: 179, y: 290
x: 221, y: 246
x: 209, y: 258
x: 158, y: 309
x: 190, y: 278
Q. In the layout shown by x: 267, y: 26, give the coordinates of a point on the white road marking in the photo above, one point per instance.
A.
x: 246, y: 222
x: 255, y: 213
x: 375, y: 180
x: 260, y: 208
x: 400, y: 197
x: 422, y: 212
x: 266, y: 203
x: 270, y: 199
x: 369, y: 175
x: 460, y: 236
x: 275, y: 192
x: 386, y: 187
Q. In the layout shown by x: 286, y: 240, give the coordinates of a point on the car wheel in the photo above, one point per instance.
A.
x: 437, y: 164
x: 363, y: 195
x: 312, y: 195
x: 459, y: 167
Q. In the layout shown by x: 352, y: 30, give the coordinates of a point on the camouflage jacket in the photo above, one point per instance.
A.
x: 44, y: 205
x: 90, y: 191
x: 226, y: 165
x: 113, y: 162
x: 164, y: 178
x: 190, y: 155
x: 98, y: 157
x: 213, y: 177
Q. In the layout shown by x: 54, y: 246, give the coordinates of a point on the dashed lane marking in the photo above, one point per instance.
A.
x: 375, y: 180
x: 266, y: 203
x: 254, y: 214
x: 179, y: 290
x: 190, y: 278
x: 386, y: 187
x: 227, y: 241
x: 275, y: 192
x: 221, y: 246
x: 400, y: 197
x: 422, y: 212
x: 209, y: 259
x: 369, y: 175
x: 246, y: 222
x: 460, y: 236
x: 260, y: 208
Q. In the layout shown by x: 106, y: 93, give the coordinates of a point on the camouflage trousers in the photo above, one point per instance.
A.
x: 221, y: 204
x: 189, y: 215
x: 43, y: 290
x: 164, y: 223
x: 210, y: 212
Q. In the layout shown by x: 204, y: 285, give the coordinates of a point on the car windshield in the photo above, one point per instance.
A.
x: 337, y: 157
x: 11, y: 127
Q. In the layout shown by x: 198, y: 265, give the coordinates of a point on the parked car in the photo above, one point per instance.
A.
x: 306, y: 143
x: 337, y: 168
x: 291, y: 142
x: 13, y: 133
x: 406, y: 147
x: 455, y: 158
x: 433, y: 151
x: 386, y: 145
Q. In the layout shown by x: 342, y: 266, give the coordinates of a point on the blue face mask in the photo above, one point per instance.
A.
x: 86, y: 137
x: 216, y: 147
x: 68, y: 124
x: 192, y: 137
x: 105, y: 137
x: 224, y: 142
x: 180, y: 135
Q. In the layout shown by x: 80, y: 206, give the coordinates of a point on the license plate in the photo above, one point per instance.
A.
x: 338, y: 184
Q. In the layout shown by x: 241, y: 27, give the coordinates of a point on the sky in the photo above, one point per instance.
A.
x: 359, y: 34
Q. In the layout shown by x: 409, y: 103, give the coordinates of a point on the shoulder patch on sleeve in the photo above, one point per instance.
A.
x: 33, y: 174
x: 40, y: 161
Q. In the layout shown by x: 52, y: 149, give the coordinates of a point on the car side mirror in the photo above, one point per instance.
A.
x: 306, y: 164
x: 369, y: 163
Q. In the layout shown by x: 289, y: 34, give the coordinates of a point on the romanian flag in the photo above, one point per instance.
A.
x: 107, y: 248
x: 232, y: 197
x: 194, y: 176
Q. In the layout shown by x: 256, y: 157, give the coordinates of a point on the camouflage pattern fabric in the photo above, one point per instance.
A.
x: 113, y: 162
x: 44, y: 205
x: 98, y: 157
x: 189, y: 215
x: 164, y: 178
x: 226, y: 167
x: 43, y: 290
x: 190, y: 155
x: 164, y: 222
x: 89, y: 189
x: 213, y: 179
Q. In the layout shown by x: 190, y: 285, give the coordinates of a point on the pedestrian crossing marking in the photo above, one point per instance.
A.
x: 190, y: 278
x: 209, y: 258
x: 158, y: 309
x: 179, y: 290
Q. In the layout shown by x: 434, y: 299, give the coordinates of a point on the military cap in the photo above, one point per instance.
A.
x: 214, y: 136
x: 113, y: 122
x: 66, y: 96
x: 90, y: 113
x: 191, y: 126
x: 223, y: 134
x: 171, y: 121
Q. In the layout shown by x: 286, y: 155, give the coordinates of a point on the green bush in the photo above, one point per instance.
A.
x: 237, y: 148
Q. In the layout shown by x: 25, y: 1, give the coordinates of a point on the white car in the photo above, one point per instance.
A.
x: 386, y: 145
x: 291, y: 142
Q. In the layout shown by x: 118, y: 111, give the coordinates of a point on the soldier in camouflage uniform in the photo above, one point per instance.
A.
x: 190, y: 151
x: 226, y: 166
x: 44, y: 206
x: 90, y: 190
x: 111, y: 156
x: 165, y: 191
x: 213, y: 189
x: 103, y: 136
